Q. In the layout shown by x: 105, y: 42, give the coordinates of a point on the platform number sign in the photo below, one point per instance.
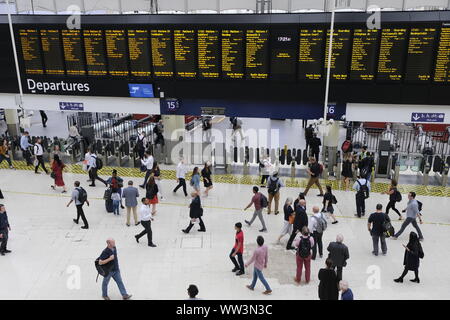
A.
x: 331, y: 110
x: 172, y: 105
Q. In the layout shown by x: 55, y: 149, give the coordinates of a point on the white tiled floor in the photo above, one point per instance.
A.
x: 46, y: 243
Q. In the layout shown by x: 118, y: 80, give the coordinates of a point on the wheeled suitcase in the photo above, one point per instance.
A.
x: 108, y: 201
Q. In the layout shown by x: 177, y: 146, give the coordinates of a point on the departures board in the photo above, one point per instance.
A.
x: 393, y: 54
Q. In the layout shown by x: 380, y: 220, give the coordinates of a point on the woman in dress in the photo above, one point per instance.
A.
x: 328, y: 285
x: 152, y: 193
x: 57, y: 170
x: 288, y: 216
x: 195, y: 180
x: 206, y: 174
x: 328, y: 200
x: 347, y: 171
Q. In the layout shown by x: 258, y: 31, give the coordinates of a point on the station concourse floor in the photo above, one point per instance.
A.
x: 48, y: 249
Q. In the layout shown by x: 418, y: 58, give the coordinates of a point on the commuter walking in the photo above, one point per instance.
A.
x: 347, y: 170
x: 87, y: 159
x: 301, y: 196
x: 39, y: 156
x: 116, y: 184
x: 314, y: 171
x: 257, y: 202
x: 376, y: 229
x: 362, y: 187
x: 274, y: 184
x: 93, y: 170
x: 141, y: 143
x: 317, y: 225
x: 328, y: 282
x: 309, y: 132
x: 289, y: 217
x: 109, y: 257
x: 130, y: 194
x: 300, y: 221
x: 338, y: 253
x: 181, y: 180
x: 152, y: 193
x: 44, y: 118
x: 259, y: 257
x: 146, y: 221
x: 79, y: 196
x: 304, y: 243
x: 207, y: 128
x: 158, y: 129
x: 57, y: 173
x: 4, y: 153
x: 5, y: 228
x: 25, y: 147
x: 412, y: 213
x: 265, y: 167
x: 238, y: 250
x: 347, y: 147
x: 346, y: 292
x: 411, y: 260
x: 328, y: 200
x: 157, y: 176
x: 115, y: 197
x: 207, y: 181
x: 315, y: 144
x: 147, y: 161
x: 236, y: 125
x: 195, y: 180
x: 195, y: 213
x: 394, y: 197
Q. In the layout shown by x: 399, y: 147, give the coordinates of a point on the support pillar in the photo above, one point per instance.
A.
x: 330, y: 147
x: 174, y: 133
x: 12, y: 122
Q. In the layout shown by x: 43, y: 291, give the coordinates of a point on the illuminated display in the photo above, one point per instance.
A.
x: 116, y: 52
x: 233, y: 54
x: 364, y: 54
x: 139, y: 53
x: 73, y: 52
x: 162, y: 53
x: 31, y: 52
x: 51, y: 49
x: 257, y: 54
x: 95, y: 52
x: 392, y: 55
x: 311, y: 52
x: 340, y: 55
x: 184, y: 43
x: 208, y: 53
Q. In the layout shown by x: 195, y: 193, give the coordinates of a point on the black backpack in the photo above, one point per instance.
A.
x: 273, y: 186
x: 82, y: 195
x: 102, y: 270
x: 419, y: 205
x: 264, y: 202
x: 98, y: 163
x: 304, y: 247
x: 363, y: 190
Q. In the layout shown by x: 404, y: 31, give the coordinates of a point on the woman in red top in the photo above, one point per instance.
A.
x: 57, y: 171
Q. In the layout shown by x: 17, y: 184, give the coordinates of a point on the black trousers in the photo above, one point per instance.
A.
x: 338, y: 273
x: 315, y: 153
x: 405, y: 271
x: 40, y: 160
x: 94, y: 176
x: 317, y: 243
x: 202, y: 225
x: 44, y: 119
x: 147, y: 175
x: 4, y: 239
x: 391, y: 205
x: 264, y: 179
x: 239, y: 265
x: 181, y: 183
x: 159, y: 139
x: 292, y: 237
x: 147, y: 231
x: 80, y: 213
x: 308, y: 141
x: 360, y: 205
x: 2, y: 157
x: 27, y: 156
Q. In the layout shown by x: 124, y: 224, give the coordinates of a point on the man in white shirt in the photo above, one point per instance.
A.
x: 181, y: 173
x: 25, y: 145
x: 362, y: 187
x: 146, y: 221
x: 317, y: 225
x: 38, y: 156
x: 92, y: 168
x: 148, y: 163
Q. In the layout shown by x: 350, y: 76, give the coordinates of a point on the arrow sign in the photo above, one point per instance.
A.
x: 427, y: 117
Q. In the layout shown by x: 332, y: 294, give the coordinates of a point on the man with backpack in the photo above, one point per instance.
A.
x: 362, y: 187
x: 300, y: 221
x: 347, y: 146
x: 317, y: 225
x: 314, y: 170
x: 79, y: 196
x: 304, y: 243
x: 260, y: 202
x: 376, y: 226
x: 273, y: 189
x: 338, y: 253
x: 94, y: 165
x: 366, y: 165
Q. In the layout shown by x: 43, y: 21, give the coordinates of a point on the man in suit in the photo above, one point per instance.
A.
x: 195, y: 212
x: 338, y: 253
x: 4, y: 230
x: 300, y: 221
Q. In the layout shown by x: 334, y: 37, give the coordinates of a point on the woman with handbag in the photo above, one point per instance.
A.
x: 411, y: 260
x: 57, y: 173
x: 206, y: 174
x: 195, y: 213
x: 152, y: 193
x: 289, y: 216
x: 328, y: 200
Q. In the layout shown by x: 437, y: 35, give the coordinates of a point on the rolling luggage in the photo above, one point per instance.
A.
x: 108, y: 201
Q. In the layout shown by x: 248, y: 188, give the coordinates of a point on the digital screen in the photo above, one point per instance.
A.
x: 73, y: 52
x: 141, y: 90
x: 139, y: 53
x: 185, y: 52
x: 340, y: 54
x: 283, y: 46
x: 311, y: 53
x: 364, y: 54
x: 95, y: 52
x: 208, y: 53
x: 233, y: 54
x: 31, y: 51
x: 420, y: 54
x: 51, y: 49
x: 116, y: 52
x: 162, y: 53
x: 442, y: 71
x: 392, y: 54
x: 257, y: 54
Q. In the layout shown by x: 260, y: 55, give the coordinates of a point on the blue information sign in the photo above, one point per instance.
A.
x: 139, y: 90
x: 427, y: 117
x: 71, y: 106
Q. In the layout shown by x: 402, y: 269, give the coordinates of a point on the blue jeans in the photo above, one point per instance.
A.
x: 116, y: 205
x: 258, y: 274
x: 118, y: 279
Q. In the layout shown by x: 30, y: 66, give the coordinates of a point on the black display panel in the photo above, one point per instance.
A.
x: 95, y: 52
x: 208, y: 54
x: 185, y: 53
x: 31, y: 51
x: 419, y: 63
x: 442, y: 70
x: 233, y: 54
x: 51, y: 50
x: 139, y: 53
x: 73, y: 52
x: 311, y: 52
x: 162, y: 53
x: 257, y: 54
x: 283, y: 57
x: 116, y: 52
x: 392, y: 54
x: 340, y: 55
x: 364, y: 54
